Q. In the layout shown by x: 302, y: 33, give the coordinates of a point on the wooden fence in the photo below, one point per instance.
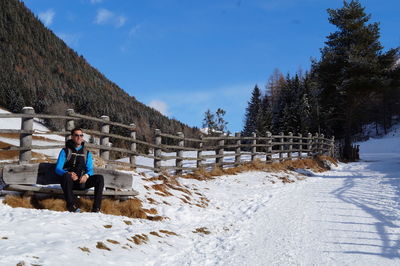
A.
x: 201, y: 152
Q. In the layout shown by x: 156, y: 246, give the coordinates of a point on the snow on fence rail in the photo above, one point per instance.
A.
x: 211, y: 151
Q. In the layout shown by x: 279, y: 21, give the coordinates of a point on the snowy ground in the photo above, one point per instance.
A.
x: 347, y: 216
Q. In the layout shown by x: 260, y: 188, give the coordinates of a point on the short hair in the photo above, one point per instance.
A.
x: 76, y: 129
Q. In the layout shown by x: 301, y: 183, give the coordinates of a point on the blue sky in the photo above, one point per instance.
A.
x: 183, y: 57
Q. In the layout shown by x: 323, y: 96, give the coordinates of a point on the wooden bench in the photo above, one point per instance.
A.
x: 23, y: 177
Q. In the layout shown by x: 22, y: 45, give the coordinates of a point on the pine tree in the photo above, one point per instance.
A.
x: 209, y: 121
x: 220, y: 120
x: 215, y: 122
x: 349, y: 70
x: 264, y: 119
x: 252, y: 112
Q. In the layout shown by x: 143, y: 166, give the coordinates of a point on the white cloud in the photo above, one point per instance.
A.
x: 160, y: 106
x: 105, y: 16
x: 47, y: 17
x: 120, y: 21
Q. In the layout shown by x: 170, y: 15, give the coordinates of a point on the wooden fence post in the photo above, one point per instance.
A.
x: 281, y: 146
x: 179, y: 153
x: 332, y: 150
x: 220, y: 151
x: 315, y: 144
x: 269, y: 147
x: 25, y: 139
x: 253, y: 146
x: 104, y: 140
x: 290, y: 140
x: 300, y: 145
x: 238, y: 148
x: 200, y: 153
x: 69, y: 124
x: 322, y: 144
x: 157, y: 151
x: 132, y: 157
x: 309, y: 144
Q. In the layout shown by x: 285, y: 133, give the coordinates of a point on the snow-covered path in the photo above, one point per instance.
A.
x: 347, y: 216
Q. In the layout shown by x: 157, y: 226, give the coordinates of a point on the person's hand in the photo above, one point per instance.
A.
x: 73, y: 176
x: 83, y: 179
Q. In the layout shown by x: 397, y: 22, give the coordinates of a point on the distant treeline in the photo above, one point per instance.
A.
x: 38, y: 69
x: 353, y: 84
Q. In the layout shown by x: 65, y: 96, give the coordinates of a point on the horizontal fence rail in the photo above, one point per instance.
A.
x: 169, y: 151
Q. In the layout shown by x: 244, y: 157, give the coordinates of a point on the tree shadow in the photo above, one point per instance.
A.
x: 372, y: 198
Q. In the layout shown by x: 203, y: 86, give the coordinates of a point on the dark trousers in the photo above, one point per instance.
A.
x: 67, y: 185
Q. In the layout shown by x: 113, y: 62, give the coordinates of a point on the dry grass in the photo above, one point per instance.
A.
x: 168, y: 232
x: 155, y: 234
x: 34, y: 137
x: 13, y: 155
x: 108, y: 226
x: 285, y: 179
x: 130, y: 208
x: 113, y: 241
x: 85, y: 249
x: 202, y: 230
x: 101, y: 245
x: 140, y: 239
x: 152, y: 201
x: 317, y: 164
x: 127, y: 222
x: 151, y: 211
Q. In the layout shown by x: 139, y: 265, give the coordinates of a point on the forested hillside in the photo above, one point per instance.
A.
x: 38, y: 69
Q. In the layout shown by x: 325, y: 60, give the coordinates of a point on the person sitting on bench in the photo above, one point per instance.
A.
x: 75, y: 168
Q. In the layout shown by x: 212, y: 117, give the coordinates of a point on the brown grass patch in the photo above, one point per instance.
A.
x: 184, y: 201
x: 155, y: 234
x: 317, y: 164
x: 127, y: 222
x: 140, y: 239
x: 151, y: 211
x: 168, y: 232
x: 101, y: 245
x: 155, y: 218
x: 199, y: 174
x: 108, y: 226
x: 179, y: 188
x: 14, y: 155
x: 34, y: 137
x: 152, y: 201
x: 162, y: 190
x: 216, y: 171
x: 131, y: 208
x: 202, y: 230
x: 85, y: 249
x: 285, y: 179
x: 113, y: 241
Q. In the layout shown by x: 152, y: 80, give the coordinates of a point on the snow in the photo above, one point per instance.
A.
x: 347, y: 216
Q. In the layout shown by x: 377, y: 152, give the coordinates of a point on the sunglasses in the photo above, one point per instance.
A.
x: 78, y: 135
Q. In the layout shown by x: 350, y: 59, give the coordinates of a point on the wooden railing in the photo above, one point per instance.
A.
x: 210, y: 151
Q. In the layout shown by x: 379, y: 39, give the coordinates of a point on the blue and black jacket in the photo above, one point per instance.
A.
x: 72, y: 159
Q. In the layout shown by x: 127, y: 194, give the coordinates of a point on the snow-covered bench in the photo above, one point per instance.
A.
x: 41, y: 178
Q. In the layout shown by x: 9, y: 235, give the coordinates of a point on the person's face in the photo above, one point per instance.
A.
x: 77, y: 137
